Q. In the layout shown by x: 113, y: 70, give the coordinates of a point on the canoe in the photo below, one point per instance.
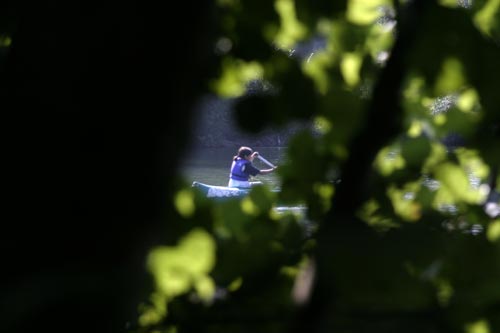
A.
x: 223, y: 192
x: 214, y: 191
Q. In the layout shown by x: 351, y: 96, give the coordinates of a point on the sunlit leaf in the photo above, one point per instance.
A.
x: 456, y: 185
x: 350, y: 66
x: 389, y: 160
x: 440, y: 119
x: 404, y: 203
x: 317, y: 68
x: 467, y: 100
x: 436, y: 156
x: 152, y: 314
x: 415, y: 129
x: 175, y: 269
x: 370, y: 213
x: 485, y: 18
x: 365, y: 11
x: 235, y: 76
x: 480, y: 326
x: 322, y: 125
x: 449, y: 3
x: 184, y: 202
x: 291, y: 29
x: 493, y: 232
x: 205, y: 287
x: 380, y: 40
x: 249, y: 207
x: 451, y: 77
x: 472, y: 162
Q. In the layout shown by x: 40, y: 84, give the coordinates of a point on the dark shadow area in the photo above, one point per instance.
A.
x: 96, y: 98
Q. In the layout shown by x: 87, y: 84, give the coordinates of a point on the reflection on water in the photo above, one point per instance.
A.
x: 212, y: 165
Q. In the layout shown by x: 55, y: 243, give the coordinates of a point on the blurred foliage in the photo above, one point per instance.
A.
x: 422, y: 252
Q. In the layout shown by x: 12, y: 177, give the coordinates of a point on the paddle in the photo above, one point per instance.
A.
x: 265, y: 161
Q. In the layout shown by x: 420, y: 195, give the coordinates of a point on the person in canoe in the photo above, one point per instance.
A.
x: 242, y: 168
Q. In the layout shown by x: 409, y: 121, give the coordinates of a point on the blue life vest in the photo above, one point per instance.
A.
x: 237, y: 169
